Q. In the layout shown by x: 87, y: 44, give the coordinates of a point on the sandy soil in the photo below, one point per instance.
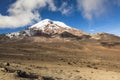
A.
x: 59, y: 61
x: 59, y: 72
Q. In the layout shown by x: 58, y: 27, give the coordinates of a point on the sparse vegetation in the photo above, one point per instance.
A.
x: 58, y: 56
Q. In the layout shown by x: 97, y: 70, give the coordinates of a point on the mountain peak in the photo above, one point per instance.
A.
x: 46, y: 27
x: 50, y: 24
x: 46, y: 21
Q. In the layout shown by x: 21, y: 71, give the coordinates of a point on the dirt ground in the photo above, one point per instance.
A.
x: 74, y: 60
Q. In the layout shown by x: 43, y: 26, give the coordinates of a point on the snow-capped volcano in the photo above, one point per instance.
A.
x: 55, y: 30
x: 50, y: 27
x: 46, y: 27
x: 53, y: 27
x: 50, y: 24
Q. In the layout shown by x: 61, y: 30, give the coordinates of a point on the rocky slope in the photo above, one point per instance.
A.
x: 46, y: 28
x: 56, y: 30
x: 105, y: 37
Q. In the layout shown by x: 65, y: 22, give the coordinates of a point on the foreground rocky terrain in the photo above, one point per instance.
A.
x: 71, y: 60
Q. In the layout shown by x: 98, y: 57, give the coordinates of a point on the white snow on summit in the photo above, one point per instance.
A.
x: 52, y: 24
x: 46, y: 26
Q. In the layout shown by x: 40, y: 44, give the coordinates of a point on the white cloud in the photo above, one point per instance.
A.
x: 65, y: 9
x: 92, y: 8
x: 24, y: 12
x: 52, y: 7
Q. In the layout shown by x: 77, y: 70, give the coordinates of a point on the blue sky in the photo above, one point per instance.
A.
x: 88, y: 15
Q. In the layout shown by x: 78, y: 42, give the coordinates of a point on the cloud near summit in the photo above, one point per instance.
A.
x: 24, y: 12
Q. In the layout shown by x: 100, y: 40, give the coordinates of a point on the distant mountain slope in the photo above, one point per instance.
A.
x: 46, y: 28
x: 56, y: 30
x: 54, y: 27
x: 105, y: 37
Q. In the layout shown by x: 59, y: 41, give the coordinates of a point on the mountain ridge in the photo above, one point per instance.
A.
x: 55, y: 29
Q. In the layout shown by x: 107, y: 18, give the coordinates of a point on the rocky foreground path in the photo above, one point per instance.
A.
x: 46, y: 71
